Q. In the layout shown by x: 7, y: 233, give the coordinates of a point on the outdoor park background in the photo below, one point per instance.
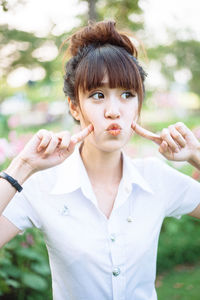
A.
x: 31, y: 97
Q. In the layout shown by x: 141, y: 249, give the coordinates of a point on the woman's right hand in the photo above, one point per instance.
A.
x: 47, y: 149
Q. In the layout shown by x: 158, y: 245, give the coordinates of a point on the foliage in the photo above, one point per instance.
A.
x: 24, y: 268
x: 179, y: 242
x: 125, y: 12
x: 180, y: 283
x: 183, y: 55
x: 23, y: 44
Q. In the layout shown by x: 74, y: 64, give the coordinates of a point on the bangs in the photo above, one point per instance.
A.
x: 110, y: 60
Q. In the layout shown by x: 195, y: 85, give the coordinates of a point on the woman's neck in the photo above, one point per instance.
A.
x: 102, y: 167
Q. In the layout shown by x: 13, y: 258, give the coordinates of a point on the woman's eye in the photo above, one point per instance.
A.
x: 97, y: 96
x: 127, y: 95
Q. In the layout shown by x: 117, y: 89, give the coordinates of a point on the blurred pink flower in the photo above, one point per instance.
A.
x: 30, y: 239
x: 12, y: 136
x: 18, y: 143
x: 11, y: 147
x: 5, y: 150
x: 13, y: 121
x: 2, y: 156
x: 24, y: 244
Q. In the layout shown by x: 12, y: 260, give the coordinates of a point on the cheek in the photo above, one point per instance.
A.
x: 89, y: 115
x: 132, y: 113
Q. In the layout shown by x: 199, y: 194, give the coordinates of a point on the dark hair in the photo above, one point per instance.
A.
x: 99, y: 49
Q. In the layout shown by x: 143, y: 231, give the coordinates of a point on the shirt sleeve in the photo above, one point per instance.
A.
x: 182, y: 193
x: 20, y: 210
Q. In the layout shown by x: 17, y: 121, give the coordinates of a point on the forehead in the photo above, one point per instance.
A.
x: 107, y: 65
x: 105, y: 83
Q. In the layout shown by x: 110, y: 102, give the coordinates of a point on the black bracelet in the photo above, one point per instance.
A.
x: 12, y: 181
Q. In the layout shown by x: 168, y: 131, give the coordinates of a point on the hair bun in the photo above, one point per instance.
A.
x: 99, y: 34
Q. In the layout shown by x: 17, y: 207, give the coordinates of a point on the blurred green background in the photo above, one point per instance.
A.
x: 31, y: 97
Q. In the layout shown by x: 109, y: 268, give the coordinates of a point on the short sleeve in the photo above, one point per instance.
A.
x: 181, y: 192
x: 20, y: 210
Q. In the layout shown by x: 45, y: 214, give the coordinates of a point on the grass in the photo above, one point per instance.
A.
x: 183, y: 283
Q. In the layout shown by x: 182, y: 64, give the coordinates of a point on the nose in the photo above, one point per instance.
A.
x: 112, y: 110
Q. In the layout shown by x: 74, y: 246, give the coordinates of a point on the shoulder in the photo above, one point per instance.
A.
x: 149, y: 164
x: 43, y: 180
x: 62, y: 174
x: 159, y: 173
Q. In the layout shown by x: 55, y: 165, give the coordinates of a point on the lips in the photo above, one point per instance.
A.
x: 114, y: 129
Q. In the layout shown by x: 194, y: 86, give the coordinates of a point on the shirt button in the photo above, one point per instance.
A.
x: 113, y: 237
x: 116, y: 271
x: 129, y: 219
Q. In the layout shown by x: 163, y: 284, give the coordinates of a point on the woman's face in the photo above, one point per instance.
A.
x: 111, y: 111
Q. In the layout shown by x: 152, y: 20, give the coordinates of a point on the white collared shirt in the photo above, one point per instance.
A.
x: 92, y: 257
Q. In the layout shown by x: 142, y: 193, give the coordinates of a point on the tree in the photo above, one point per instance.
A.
x: 179, y: 55
x: 127, y: 13
x: 92, y: 14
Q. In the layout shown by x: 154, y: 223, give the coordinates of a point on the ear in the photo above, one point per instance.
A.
x: 74, y: 109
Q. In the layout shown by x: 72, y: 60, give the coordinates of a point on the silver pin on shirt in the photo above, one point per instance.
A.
x: 65, y: 211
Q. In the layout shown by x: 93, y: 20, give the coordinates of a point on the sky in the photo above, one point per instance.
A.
x: 160, y: 16
x: 39, y: 15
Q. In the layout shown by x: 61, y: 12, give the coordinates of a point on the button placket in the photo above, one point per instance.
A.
x: 117, y: 257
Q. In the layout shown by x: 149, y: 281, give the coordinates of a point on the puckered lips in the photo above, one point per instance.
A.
x: 114, y: 129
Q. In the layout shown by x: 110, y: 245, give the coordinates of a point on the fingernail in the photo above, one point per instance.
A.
x: 133, y: 125
x: 74, y: 140
x: 176, y: 150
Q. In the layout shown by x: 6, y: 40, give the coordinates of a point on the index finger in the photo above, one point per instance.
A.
x: 146, y: 134
x: 78, y: 137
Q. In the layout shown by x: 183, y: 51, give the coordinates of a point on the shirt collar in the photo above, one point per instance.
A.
x: 72, y: 175
x: 68, y: 176
x: 131, y: 175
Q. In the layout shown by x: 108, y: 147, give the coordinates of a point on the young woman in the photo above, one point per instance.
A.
x: 100, y: 211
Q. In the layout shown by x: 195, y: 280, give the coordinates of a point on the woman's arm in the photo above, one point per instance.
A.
x: 195, y: 161
x: 19, y: 170
x: 43, y: 151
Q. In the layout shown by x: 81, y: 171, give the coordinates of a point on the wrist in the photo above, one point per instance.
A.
x: 19, y: 170
x: 195, y: 158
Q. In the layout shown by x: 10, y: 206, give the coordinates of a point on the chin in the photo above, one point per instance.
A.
x: 111, y: 146
x: 109, y: 143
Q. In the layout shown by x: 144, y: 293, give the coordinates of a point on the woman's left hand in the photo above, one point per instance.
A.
x: 177, y: 142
